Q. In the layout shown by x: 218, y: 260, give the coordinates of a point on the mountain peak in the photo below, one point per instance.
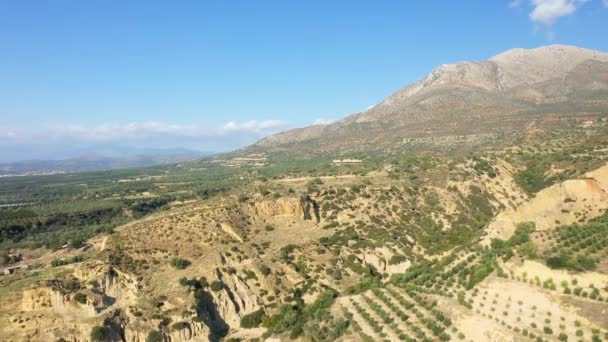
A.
x: 517, y: 67
x: 549, y: 51
x: 452, y: 97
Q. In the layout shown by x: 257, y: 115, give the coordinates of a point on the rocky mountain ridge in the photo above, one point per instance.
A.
x: 516, y: 87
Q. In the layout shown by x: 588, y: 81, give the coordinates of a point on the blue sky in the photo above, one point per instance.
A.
x: 216, y: 75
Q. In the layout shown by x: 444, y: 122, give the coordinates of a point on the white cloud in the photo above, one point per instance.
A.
x: 70, y: 140
x: 254, y: 126
x: 323, y: 121
x: 139, y: 131
x: 606, y: 3
x: 546, y: 12
x: 109, y: 132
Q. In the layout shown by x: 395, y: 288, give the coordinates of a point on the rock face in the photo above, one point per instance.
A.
x: 48, y: 298
x: 379, y: 258
x: 303, y: 208
x: 235, y: 300
x: 562, y: 203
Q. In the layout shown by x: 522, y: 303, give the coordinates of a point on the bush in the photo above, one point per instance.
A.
x: 532, y: 179
x: 216, y: 286
x: 180, y: 263
x: 180, y: 326
x: 294, y: 317
x: 528, y: 250
x: 265, y: 270
x: 80, y: 298
x: 66, y: 261
x: 396, y: 259
x: 154, y: 336
x: 191, y: 282
x: 580, y: 263
x: 204, y: 283
x: 99, y: 334
x: 253, y: 319
x: 76, y: 242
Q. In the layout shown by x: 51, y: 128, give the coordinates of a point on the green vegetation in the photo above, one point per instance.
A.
x: 180, y: 326
x: 253, y: 319
x: 154, y: 336
x: 397, y: 259
x: 216, y: 286
x: 100, y: 334
x: 293, y: 318
x: 80, y: 298
x: 265, y: 270
x: 67, y: 261
x: 578, y: 245
x: 579, y: 263
x: 180, y: 263
x: 54, y: 210
x: 532, y: 179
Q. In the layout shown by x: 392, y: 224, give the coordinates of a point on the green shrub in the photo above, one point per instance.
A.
x: 80, y: 298
x: 216, y: 286
x: 528, y: 250
x: 396, y: 259
x: 154, y: 336
x: 180, y: 326
x: 180, y: 263
x: 99, y: 334
x: 204, y: 283
x: 265, y: 270
x: 253, y: 319
x: 294, y: 317
x: 532, y: 179
x: 579, y: 263
x: 66, y: 261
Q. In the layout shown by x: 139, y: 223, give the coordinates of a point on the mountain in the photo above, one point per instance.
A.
x: 544, y: 87
x: 94, y: 163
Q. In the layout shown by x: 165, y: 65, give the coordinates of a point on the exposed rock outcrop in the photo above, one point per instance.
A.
x: 236, y: 299
x: 563, y: 203
x: 304, y: 208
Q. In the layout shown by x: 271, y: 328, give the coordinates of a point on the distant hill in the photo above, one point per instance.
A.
x: 95, y: 163
x: 466, y: 104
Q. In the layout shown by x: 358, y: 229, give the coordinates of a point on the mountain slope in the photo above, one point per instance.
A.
x: 510, y: 91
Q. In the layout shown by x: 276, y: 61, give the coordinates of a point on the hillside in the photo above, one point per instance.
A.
x: 478, y: 102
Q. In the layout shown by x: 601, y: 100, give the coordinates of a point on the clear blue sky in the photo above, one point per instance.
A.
x: 73, y: 66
